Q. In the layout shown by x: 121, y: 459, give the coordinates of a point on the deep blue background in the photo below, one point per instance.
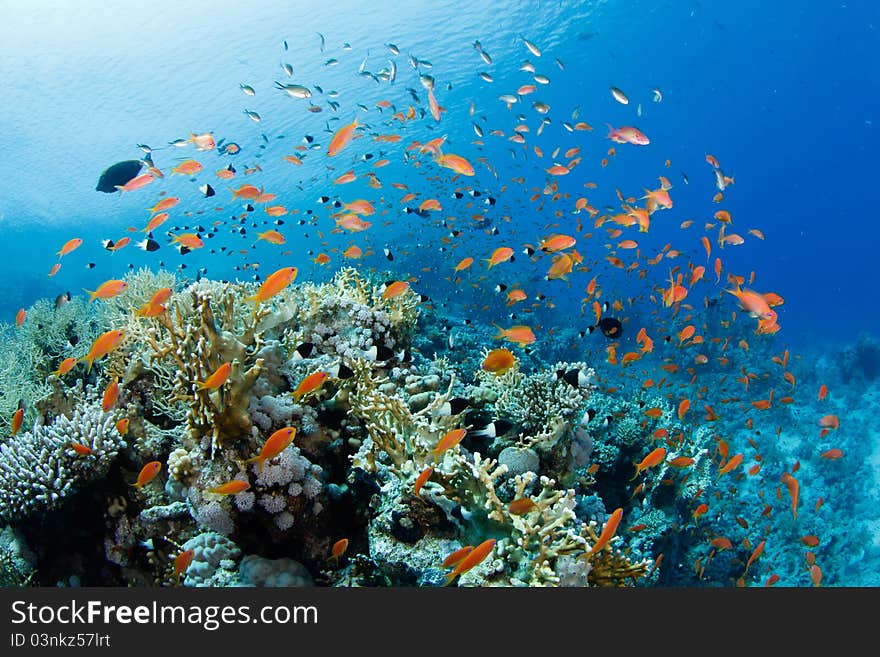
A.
x: 784, y: 94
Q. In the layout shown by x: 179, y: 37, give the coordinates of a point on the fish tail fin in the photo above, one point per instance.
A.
x: 500, y: 331
x: 450, y: 578
x: 91, y: 294
x: 257, y: 459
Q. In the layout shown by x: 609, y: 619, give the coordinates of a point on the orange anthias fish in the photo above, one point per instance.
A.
x: 521, y: 335
x: 464, y: 263
x: 755, y: 554
x: 108, y: 290
x: 341, y: 138
x: 147, y: 474
x: 187, y: 168
x: 309, y: 384
x: 561, y: 267
x: 608, y: 532
x: 276, y: 444
x: 274, y: 284
x: 449, y: 440
x: 103, y: 345
x: 136, y: 183
x: 422, y: 479
x: 457, y: 163
x: 271, y: 236
x: 65, y: 366
x: 754, y: 303
x: 498, y: 361
x: 521, y: 506
x: 189, y: 241
x: 455, y: 558
x: 338, y: 549
x: 499, y: 255
x: 80, y: 449
x: 155, y: 306
x: 654, y: 458
x: 165, y: 204
x: 217, y: 379
x: 17, y: 419
x: 111, y: 394
x: 182, y: 562
x: 732, y: 464
x: 233, y: 487
x: 557, y: 243
x: 20, y: 317
x: 471, y: 560
x: 69, y: 246
x: 122, y: 426
x: 793, y: 490
x: 395, y: 289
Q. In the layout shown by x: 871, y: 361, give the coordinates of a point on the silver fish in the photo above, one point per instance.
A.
x: 486, y: 77
x: 247, y: 89
x: 619, y: 96
x: 287, y: 69
x: 394, y: 49
x: 294, y: 90
x: 532, y: 48
x: 253, y: 116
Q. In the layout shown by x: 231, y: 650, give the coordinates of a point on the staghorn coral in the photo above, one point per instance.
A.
x: 40, y: 469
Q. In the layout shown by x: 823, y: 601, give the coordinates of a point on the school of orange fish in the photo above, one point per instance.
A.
x: 584, y: 250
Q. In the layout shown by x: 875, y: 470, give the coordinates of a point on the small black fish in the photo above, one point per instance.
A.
x: 340, y: 371
x: 574, y: 377
x: 378, y: 353
x: 207, y: 191
x: 453, y: 407
x: 493, y: 429
x: 388, y: 254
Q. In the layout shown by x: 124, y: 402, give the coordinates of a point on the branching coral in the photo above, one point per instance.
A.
x: 31, y: 352
x: 40, y: 468
x: 197, y: 342
x: 532, y: 543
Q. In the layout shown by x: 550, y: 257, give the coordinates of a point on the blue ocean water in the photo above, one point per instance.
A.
x: 783, y: 94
